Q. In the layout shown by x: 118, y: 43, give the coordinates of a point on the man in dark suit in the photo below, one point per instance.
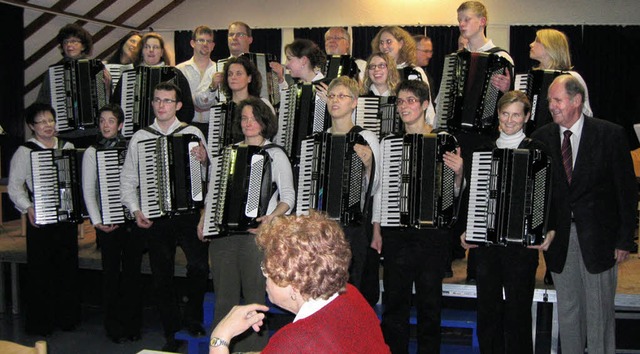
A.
x: 593, y: 212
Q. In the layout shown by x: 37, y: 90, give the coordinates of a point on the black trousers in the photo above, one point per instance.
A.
x: 420, y: 256
x: 355, y: 235
x: 504, y: 326
x: 163, y: 237
x: 53, y: 297
x: 122, y: 251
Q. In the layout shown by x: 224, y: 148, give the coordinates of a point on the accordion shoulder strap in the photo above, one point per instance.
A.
x: 35, y: 147
x: 179, y: 129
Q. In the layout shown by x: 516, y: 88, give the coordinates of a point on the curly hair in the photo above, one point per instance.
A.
x: 393, y: 77
x: 261, y: 112
x: 407, y: 53
x: 557, y: 46
x: 254, y: 87
x: 115, y: 58
x: 513, y: 97
x: 306, y: 48
x: 310, y: 253
x: 73, y: 30
x: 417, y: 87
x: 140, y: 59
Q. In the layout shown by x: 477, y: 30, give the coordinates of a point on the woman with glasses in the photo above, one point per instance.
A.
x: 382, y: 76
x: 413, y: 255
x: 306, y: 261
x: 235, y: 259
x: 53, y: 297
x: 401, y: 46
x: 152, y: 52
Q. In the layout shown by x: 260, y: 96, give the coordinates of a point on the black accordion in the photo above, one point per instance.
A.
x: 378, y: 114
x: 109, y: 164
x: 535, y: 85
x: 240, y: 190
x: 417, y: 187
x: 467, y: 100
x: 170, y: 177
x: 220, y: 132
x: 136, y: 96
x: 341, y: 65
x: 78, y: 91
x: 57, y: 186
x: 509, y: 197
x: 330, y: 177
x: 409, y: 73
x: 302, y: 113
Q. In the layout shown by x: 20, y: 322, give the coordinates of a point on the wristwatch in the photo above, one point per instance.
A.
x: 216, y: 342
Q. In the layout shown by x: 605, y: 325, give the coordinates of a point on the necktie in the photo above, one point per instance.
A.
x: 567, y: 155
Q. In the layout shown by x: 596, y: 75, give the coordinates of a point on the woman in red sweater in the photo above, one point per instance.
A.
x: 307, y: 267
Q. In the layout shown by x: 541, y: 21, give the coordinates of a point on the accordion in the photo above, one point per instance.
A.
x: 417, y: 188
x: 220, y: 132
x: 57, y: 186
x: 378, y: 114
x: 78, y: 91
x: 509, y: 197
x: 240, y: 190
x: 116, y: 70
x: 170, y: 178
x: 109, y: 163
x: 409, y: 73
x: 136, y: 95
x: 330, y: 177
x: 301, y: 114
x: 535, y: 85
x: 341, y: 65
x: 467, y: 99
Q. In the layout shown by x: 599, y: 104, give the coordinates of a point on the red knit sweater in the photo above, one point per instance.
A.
x: 345, y: 325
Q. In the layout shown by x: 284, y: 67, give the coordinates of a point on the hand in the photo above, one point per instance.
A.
x: 31, y: 213
x: 376, y: 241
x: 464, y: 244
x: 200, y: 230
x: 453, y: 160
x: 365, y: 154
x: 200, y: 153
x: 107, y: 79
x: 216, y: 80
x: 142, y: 220
x: 321, y: 90
x: 621, y: 255
x: 502, y: 82
x: 105, y: 228
x: 239, y: 319
x: 278, y: 69
x: 547, y: 241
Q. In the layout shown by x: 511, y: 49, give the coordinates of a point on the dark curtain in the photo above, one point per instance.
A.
x: 601, y: 55
x: 11, y: 93
x: 316, y: 34
x: 445, y: 41
x: 361, y: 41
x: 264, y: 41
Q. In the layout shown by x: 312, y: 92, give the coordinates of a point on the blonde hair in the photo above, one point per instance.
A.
x: 407, y: 53
x: 310, y: 253
x: 476, y: 7
x: 557, y: 47
x: 349, y: 83
x: 393, y: 77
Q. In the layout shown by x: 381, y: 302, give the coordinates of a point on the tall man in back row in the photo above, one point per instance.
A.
x: 594, y: 199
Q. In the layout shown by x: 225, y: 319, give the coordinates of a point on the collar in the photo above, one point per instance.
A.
x: 378, y: 93
x: 484, y: 48
x: 576, y: 129
x: 109, y: 143
x: 312, y: 306
x: 510, y: 141
x: 176, y: 124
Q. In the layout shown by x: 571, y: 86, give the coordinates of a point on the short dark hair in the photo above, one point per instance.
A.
x: 263, y: 115
x: 240, y: 23
x: 202, y: 30
x: 169, y: 86
x: 33, y: 110
x: 255, y: 86
x: 307, y: 48
x: 421, y: 37
x: 73, y: 30
x: 416, y: 87
x: 513, y: 97
x: 113, y: 108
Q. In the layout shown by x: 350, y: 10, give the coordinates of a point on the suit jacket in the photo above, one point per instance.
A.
x: 602, y: 196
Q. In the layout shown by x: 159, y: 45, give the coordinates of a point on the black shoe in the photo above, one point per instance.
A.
x: 195, y: 329
x: 448, y: 274
x: 117, y: 339
x: 134, y: 337
x: 172, y: 345
x: 471, y: 281
x: 548, y: 279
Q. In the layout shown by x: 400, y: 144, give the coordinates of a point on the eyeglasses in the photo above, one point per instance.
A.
x: 152, y: 47
x: 380, y: 66
x: 239, y: 35
x: 410, y: 101
x: 335, y: 38
x: 45, y: 122
x: 204, y: 41
x: 71, y: 41
x: 340, y: 96
x: 164, y: 100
